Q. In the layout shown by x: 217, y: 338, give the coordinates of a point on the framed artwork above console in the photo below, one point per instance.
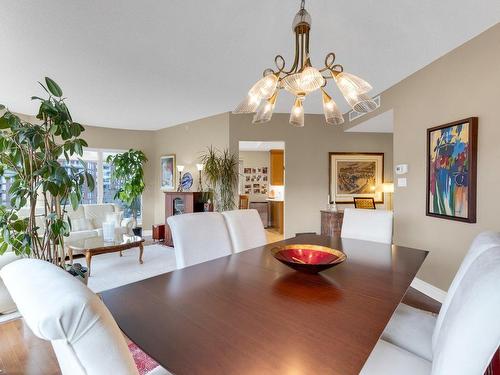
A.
x: 355, y: 174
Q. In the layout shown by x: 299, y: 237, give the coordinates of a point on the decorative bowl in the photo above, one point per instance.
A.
x: 308, y: 258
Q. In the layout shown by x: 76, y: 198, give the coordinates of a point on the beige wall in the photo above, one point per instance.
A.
x: 463, y: 83
x: 187, y: 141
x: 255, y: 159
x: 306, y: 160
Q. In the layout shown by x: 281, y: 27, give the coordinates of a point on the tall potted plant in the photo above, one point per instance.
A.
x: 129, y: 174
x: 40, y: 186
x: 221, y: 172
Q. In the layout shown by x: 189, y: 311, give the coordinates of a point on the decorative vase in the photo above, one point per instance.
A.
x: 108, y: 231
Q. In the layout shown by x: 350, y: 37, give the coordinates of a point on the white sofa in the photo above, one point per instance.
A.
x: 87, y: 219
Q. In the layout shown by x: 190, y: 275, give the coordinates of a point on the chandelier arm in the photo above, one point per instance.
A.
x: 296, y: 59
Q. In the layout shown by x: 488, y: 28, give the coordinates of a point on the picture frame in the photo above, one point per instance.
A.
x: 167, y: 172
x: 355, y: 174
x: 451, y: 183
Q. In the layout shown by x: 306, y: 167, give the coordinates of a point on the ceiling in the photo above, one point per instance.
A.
x: 382, y: 123
x: 261, y: 146
x: 150, y: 64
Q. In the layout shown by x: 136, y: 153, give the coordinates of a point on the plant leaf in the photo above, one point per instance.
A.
x: 53, y: 87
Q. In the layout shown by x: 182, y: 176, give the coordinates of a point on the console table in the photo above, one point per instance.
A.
x: 331, y: 223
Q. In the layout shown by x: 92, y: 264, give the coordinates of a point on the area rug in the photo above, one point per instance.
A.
x: 143, y: 362
x: 112, y: 270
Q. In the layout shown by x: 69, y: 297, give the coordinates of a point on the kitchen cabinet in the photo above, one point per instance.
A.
x: 277, y: 167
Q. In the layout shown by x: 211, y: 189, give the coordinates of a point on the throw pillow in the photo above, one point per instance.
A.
x: 80, y: 224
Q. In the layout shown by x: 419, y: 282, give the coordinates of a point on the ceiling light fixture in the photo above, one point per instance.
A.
x: 302, y: 79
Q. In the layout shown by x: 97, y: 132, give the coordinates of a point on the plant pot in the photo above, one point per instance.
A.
x: 137, y: 231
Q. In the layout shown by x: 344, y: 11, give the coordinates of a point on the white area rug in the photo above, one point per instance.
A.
x: 110, y: 270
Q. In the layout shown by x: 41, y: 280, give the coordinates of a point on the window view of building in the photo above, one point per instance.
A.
x: 105, y: 187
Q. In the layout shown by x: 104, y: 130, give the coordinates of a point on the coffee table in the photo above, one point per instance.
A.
x: 97, y: 245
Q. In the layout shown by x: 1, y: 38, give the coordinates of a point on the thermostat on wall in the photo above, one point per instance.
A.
x: 401, y: 168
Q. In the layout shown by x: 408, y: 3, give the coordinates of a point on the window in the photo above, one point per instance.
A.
x: 110, y: 186
x: 91, y: 160
x: 5, y: 183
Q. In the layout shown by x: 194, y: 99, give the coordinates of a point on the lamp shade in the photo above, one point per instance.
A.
x: 297, y: 114
x: 180, y: 168
x: 199, y: 167
x: 333, y: 116
x: 386, y: 187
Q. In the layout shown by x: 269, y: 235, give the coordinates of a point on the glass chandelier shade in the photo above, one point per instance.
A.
x: 265, y: 110
x: 248, y: 105
x: 297, y: 114
x: 301, y: 79
x: 264, y: 87
x: 333, y: 115
x: 305, y: 82
x: 347, y: 81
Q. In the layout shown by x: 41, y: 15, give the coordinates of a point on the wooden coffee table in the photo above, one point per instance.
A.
x: 97, y: 245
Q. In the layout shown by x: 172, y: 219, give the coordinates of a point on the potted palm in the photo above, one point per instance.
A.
x: 35, y: 221
x: 221, y: 172
x: 129, y: 174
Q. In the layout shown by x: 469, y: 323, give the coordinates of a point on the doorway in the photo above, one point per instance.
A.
x: 262, y: 183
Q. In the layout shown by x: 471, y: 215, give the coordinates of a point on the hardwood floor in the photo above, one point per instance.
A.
x: 273, y: 235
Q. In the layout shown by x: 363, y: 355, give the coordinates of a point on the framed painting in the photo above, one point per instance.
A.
x: 354, y: 174
x: 167, y: 164
x: 452, y: 170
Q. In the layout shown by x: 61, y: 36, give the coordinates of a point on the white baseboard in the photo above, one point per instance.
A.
x: 429, y: 290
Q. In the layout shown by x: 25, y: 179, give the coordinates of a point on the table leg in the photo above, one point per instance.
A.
x: 88, y: 258
x: 121, y: 254
x: 70, y: 255
x: 141, y: 251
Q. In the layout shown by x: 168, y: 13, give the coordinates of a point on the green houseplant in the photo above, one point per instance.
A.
x: 221, y: 172
x: 129, y: 174
x: 36, y: 222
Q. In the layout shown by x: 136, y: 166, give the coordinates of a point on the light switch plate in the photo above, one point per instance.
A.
x: 402, y: 182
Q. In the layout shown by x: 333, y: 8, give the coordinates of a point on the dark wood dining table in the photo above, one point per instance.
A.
x: 247, y: 313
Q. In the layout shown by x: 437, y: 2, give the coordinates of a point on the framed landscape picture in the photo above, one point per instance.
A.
x: 451, y: 170
x: 355, y: 175
x: 167, y: 164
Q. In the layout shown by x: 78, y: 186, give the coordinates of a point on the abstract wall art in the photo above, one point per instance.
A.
x: 451, y: 170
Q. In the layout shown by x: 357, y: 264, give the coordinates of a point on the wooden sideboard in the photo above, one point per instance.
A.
x: 331, y: 223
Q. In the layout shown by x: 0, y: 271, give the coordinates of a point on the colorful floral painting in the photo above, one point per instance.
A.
x: 451, y: 170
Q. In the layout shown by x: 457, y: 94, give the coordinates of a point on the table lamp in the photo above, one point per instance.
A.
x: 180, y: 168
x: 200, y: 169
x: 387, y: 188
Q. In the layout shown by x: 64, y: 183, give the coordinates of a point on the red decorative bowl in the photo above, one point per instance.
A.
x: 308, y: 258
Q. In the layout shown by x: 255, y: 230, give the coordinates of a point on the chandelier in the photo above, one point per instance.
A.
x: 302, y: 79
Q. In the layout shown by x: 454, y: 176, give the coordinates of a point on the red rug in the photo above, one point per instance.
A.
x: 143, y: 362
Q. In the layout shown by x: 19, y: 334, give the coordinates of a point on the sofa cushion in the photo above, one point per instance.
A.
x: 96, y: 213
x: 115, y: 217
x: 82, y: 235
x: 80, y: 224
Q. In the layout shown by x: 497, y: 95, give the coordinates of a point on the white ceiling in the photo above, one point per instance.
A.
x: 150, y: 64
x: 260, y: 146
x: 382, y: 123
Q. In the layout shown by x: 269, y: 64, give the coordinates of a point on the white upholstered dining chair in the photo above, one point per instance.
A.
x: 199, y: 237
x: 415, y: 330
x: 467, y: 337
x: 245, y: 229
x: 59, y: 308
x: 367, y: 225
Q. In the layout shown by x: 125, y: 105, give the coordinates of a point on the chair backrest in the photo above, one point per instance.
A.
x: 245, y: 229
x: 482, y: 242
x: 59, y: 308
x: 199, y: 237
x: 368, y: 225
x: 470, y: 332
